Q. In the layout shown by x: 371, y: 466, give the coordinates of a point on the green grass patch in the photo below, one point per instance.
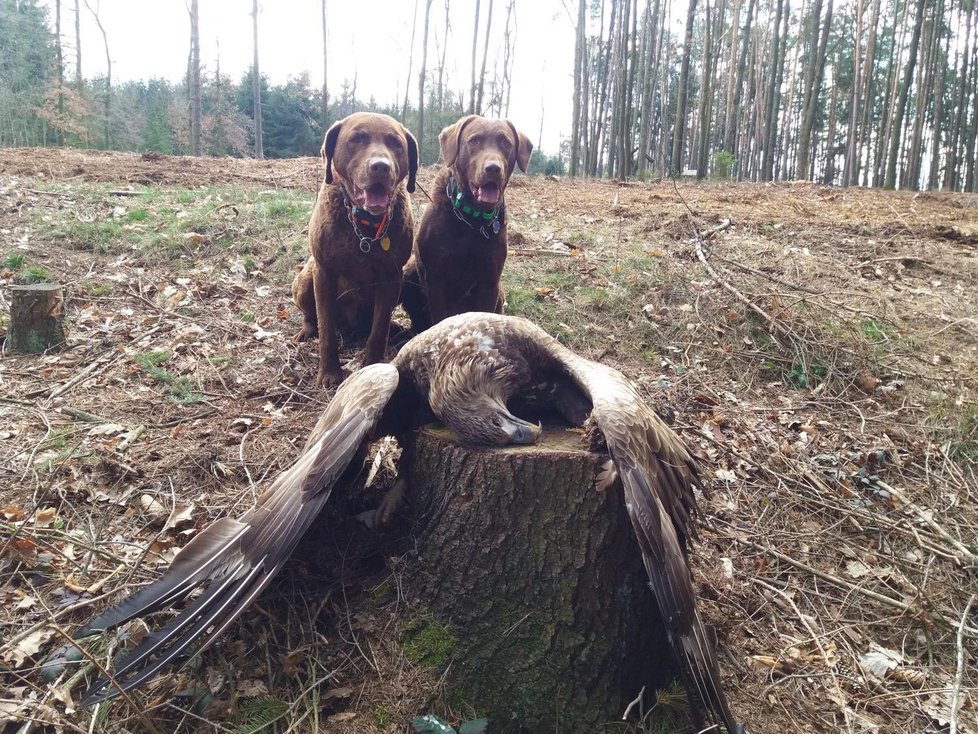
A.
x: 95, y: 288
x: 258, y: 714
x: 102, y: 237
x: 179, y: 389
x: 35, y: 274
x: 428, y: 643
x: 14, y: 261
x: 138, y: 215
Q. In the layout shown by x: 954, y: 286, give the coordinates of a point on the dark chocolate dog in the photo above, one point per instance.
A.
x: 461, y: 245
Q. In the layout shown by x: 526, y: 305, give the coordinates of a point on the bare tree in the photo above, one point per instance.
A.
x: 256, y: 86
x: 78, y: 72
x: 325, y: 86
x: 485, y: 53
x: 60, y: 71
x: 421, y: 77
x: 108, y: 71
x: 579, y: 113
x: 407, y: 85
x: 813, y: 84
x: 193, y: 80
x: 509, y: 51
x: 475, y: 44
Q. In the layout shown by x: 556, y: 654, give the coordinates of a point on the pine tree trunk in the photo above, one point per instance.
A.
x: 537, y: 576
x: 325, y: 85
x: 37, y: 321
x: 813, y: 86
x: 896, y: 136
x: 577, y: 128
x: 194, y: 81
x: 769, y: 134
x: 256, y: 88
x: 421, y: 76
x: 485, y: 54
x: 682, y: 93
x: 78, y: 47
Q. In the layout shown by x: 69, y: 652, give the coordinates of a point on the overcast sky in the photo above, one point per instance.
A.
x: 369, y: 39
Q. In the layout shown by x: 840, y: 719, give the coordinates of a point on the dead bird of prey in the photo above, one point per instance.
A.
x: 465, y: 370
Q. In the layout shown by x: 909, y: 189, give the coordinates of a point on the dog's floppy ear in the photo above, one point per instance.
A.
x: 450, y: 139
x: 329, y: 148
x: 523, y: 148
x: 412, y: 152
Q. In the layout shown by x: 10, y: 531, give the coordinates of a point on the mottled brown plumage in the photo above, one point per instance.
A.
x: 466, y: 369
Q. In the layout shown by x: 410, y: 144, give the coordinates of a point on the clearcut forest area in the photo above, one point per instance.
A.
x: 819, y: 354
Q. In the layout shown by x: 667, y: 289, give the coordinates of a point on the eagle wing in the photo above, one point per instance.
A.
x: 235, y: 559
x: 657, y: 473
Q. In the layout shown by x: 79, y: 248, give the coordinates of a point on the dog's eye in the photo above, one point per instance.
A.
x: 394, y: 142
x: 476, y: 141
x: 359, y: 138
x: 504, y: 142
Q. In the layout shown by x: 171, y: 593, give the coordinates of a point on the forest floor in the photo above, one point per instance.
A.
x: 824, y: 368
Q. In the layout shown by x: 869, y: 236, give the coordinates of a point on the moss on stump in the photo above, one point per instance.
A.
x: 538, y: 578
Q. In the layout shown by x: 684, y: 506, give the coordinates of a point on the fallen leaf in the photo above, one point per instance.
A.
x: 18, y: 653
x: 252, y: 688
x: 879, y: 660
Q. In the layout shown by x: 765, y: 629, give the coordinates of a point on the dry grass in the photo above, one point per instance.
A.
x: 833, y: 406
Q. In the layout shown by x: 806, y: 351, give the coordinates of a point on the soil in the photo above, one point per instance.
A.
x: 823, y: 366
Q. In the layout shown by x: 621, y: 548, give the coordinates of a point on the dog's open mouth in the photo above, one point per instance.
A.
x: 376, y: 198
x: 487, y: 194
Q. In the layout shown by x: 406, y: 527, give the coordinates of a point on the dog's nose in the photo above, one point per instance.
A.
x: 380, y: 165
x: 493, y: 168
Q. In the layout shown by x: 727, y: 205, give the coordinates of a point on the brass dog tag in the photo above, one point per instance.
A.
x: 385, y: 243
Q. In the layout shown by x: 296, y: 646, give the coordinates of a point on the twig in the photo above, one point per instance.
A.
x: 959, y: 675
x: 134, y: 434
x: 969, y: 556
x: 125, y: 192
x: 818, y: 643
x: 701, y: 255
x: 111, y: 679
x: 628, y: 709
x: 82, y: 415
x: 528, y: 252
x: 881, y: 598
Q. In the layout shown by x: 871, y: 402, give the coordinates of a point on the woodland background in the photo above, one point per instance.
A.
x: 860, y: 92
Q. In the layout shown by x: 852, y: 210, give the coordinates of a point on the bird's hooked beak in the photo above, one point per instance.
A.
x: 520, y: 431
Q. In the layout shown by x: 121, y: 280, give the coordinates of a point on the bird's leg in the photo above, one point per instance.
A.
x: 389, y: 504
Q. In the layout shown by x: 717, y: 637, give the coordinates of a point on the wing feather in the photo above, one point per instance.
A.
x: 236, y: 559
x: 658, y: 474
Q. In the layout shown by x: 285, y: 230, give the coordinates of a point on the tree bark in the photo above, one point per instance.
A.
x: 538, y: 579
x: 485, y: 54
x: 682, y: 93
x: 193, y: 79
x: 256, y: 86
x: 325, y: 58
x: 475, y: 47
x: 889, y: 182
x: 36, y: 317
x: 813, y: 86
x: 421, y: 78
x: 407, y: 84
x: 78, y: 70
x: 108, y: 73
x: 769, y: 133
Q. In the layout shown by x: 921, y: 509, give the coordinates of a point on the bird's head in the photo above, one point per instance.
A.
x: 485, y: 421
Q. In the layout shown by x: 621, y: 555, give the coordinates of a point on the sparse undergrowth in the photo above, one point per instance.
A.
x: 838, y: 433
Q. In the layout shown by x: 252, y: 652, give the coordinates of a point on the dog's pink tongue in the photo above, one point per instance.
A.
x: 488, y: 194
x: 375, y: 198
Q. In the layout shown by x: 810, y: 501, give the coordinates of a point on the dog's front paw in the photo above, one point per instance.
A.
x: 329, y: 378
x: 308, y: 331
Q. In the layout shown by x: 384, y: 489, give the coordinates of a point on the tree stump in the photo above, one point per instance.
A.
x: 36, y: 317
x: 538, y: 577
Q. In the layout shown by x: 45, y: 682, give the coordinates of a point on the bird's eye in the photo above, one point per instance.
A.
x: 497, y: 421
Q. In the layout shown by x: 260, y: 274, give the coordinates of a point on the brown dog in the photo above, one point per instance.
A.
x: 461, y: 245
x: 360, y: 236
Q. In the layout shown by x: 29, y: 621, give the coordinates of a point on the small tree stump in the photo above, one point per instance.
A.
x: 539, y: 577
x: 36, y: 317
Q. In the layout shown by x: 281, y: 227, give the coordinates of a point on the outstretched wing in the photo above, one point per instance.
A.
x: 657, y: 473
x: 235, y: 559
